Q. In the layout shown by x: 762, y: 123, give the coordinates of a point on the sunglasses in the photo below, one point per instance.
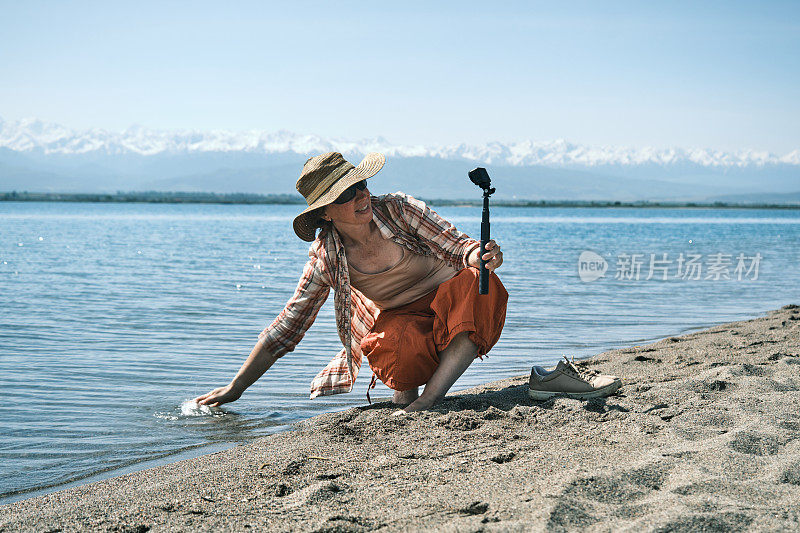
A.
x: 350, y: 192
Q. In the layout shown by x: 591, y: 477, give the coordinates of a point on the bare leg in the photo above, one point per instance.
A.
x: 405, y: 397
x: 453, y: 361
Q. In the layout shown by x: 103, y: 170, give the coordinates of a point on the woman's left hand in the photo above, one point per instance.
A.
x: 493, y: 256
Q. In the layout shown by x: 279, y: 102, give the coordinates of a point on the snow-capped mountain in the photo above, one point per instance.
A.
x: 30, y: 135
x: 37, y: 156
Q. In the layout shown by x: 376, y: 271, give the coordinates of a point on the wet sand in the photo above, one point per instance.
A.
x: 703, y: 436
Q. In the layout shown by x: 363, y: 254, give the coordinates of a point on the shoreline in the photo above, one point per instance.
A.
x: 137, y: 466
x: 153, y: 197
x: 211, y: 447
x: 704, y: 433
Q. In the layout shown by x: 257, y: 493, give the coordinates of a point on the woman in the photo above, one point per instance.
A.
x: 405, y: 290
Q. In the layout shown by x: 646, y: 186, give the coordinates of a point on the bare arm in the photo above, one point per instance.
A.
x: 278, y: 338
x: 258, y: 362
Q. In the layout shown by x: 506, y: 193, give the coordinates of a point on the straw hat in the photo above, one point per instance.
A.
x: 324, y: 178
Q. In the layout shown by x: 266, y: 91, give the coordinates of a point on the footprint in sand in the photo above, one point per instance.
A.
x: 757, y: 444
x: 728, y: 522
x: 574, y: 508
x: 792, y: 474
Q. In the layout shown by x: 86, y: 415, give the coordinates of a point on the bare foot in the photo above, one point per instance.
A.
x: 405, y: 397
x: 420, y: 404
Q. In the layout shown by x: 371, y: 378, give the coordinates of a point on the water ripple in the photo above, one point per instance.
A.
x: 120, y: 314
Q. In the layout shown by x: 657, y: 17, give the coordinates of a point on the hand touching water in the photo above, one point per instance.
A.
x: 259, y: 360
x: 218, y: 396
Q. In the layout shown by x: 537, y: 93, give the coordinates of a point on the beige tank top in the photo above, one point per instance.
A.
x: 411, y: 278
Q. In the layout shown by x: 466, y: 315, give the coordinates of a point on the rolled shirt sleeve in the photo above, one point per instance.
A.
x: 289, y: 327
x: 439, y: 234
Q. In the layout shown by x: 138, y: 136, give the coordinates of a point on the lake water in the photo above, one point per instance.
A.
x: 112, y: 315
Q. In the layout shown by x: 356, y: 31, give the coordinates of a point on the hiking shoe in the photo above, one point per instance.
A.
x: 569, y: 380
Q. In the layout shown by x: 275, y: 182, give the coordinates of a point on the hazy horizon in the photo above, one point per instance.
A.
x: 622, y: 101
x: 718, y: 76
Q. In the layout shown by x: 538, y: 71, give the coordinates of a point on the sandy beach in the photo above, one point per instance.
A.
x: 703, y: 436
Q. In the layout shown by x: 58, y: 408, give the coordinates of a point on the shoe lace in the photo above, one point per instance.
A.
x: 584, y: 373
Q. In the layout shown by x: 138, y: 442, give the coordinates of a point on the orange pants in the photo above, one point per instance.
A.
x: 403, y: 345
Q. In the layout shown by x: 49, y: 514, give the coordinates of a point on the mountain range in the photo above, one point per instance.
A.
x: 38, y: 156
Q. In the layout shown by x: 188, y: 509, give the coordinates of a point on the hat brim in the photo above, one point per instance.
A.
x: 305, y: 225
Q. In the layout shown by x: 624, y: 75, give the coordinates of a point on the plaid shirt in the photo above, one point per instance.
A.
x: 399, y: 217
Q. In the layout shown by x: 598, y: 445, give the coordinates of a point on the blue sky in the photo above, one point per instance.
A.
x: 720, y: 75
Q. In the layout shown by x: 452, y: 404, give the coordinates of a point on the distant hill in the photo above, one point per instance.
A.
x: 40, y: 157
x: 763, y: 198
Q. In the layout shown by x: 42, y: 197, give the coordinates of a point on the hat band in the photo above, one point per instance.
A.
x: 326, y: 184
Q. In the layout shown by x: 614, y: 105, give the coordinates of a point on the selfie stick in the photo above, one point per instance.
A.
x: 480, y: 177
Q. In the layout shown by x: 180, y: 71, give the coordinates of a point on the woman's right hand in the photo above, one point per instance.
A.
x: 218, y: 396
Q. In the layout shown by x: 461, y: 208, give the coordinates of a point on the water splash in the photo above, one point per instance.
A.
x: 192, y: 408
